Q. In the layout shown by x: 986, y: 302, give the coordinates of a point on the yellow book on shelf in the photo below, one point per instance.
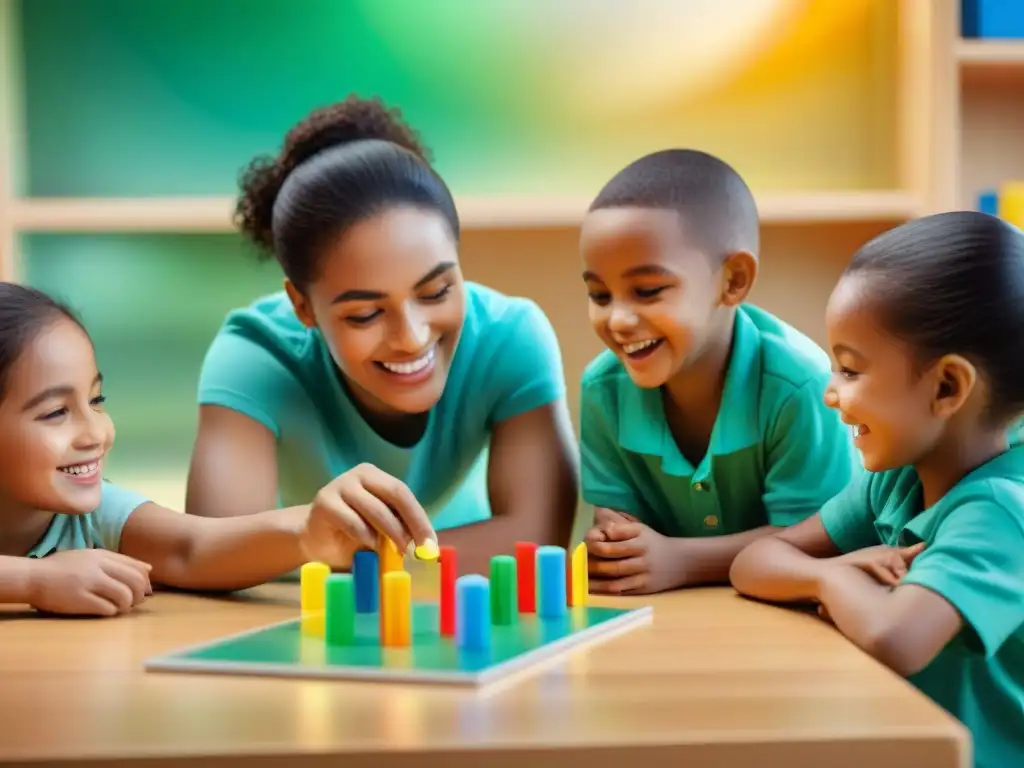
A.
x: 1011, y: 202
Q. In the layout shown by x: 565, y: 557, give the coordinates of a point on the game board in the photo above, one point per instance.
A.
x: 364, y: 625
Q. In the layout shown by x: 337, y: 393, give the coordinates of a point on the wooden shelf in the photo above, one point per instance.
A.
x: 837, y: 207
x: 213, y: 214
x: 990, y: 59
x: 990, y: 52
x: 154, y: 214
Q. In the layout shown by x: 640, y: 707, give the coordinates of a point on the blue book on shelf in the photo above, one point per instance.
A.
x: 988, y: 202
x: 992, y: 19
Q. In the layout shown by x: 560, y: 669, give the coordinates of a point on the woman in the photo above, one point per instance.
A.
x: 378, y: 371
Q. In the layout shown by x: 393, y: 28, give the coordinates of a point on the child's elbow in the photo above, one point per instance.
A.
x: 746, y: 567
x: 892, y: 647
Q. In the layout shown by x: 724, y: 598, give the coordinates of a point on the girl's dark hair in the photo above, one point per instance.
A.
x: 341, y: 165
x: 954, y: 283
x: 24, y: 313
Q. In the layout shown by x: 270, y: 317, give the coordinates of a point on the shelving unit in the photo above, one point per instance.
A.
x: 987, y: 110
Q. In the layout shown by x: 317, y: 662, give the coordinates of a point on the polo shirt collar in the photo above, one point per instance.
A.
x: 643, y: 428
x: 922, y: 525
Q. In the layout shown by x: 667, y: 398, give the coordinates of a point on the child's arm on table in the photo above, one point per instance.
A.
x: 14, y: 580
x: 227, y: 553
x: 901, y: 625
x: 208, y: 553
x: 87, y: 581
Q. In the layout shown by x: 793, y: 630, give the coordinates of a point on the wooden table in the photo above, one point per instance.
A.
x: 714, y: 681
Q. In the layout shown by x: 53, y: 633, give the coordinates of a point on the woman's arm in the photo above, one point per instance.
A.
x: 532, y: 481
x: 198, y: 553
x: 233, y: 469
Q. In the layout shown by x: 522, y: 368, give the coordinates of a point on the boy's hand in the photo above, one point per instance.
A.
x: 605, y: 516
x: 887, y: 565
x: 88, y: 582
x: 627, y: 557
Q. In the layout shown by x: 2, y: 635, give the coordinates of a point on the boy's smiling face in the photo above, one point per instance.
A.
x: 653, y: 295
x: 55, y: 431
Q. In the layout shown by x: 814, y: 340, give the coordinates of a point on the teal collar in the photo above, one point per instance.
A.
x: 922, y: 526
x: 643, y: 428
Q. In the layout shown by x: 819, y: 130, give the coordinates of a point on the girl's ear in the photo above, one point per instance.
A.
x: 955, y: 379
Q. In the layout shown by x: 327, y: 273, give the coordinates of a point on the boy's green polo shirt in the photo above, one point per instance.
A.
x: 974, y: 558
x: 777, y: 452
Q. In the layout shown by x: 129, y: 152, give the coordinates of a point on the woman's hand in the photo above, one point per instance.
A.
x: 358, y: 507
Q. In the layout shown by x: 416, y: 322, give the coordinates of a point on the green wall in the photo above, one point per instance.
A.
x: 152, y: 305
x: 165, y: 97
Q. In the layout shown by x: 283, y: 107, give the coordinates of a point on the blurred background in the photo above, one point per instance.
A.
x: 125, y: 124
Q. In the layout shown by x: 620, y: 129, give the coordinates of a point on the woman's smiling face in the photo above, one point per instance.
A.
x: 390, y: 303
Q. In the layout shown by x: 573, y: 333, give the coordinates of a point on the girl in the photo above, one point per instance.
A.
x: 920, y: 561
x: 73, y: 543
x: 378, y: 371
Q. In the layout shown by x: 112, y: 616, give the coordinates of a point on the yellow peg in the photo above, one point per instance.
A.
x: 427, y: 551
x: 579, y: 578
x: 312, y: 597
x: 390, y: 558
x: 396, y: 609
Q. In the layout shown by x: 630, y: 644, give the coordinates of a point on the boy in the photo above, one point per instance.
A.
x: 704, y: 425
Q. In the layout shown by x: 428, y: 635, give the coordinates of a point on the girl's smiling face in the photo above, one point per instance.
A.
x: 54, y: 430
x: 877, y: 386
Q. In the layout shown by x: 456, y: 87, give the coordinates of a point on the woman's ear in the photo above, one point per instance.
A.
x: 300, y: 304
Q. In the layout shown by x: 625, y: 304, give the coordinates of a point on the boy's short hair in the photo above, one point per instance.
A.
x: 715, y: 204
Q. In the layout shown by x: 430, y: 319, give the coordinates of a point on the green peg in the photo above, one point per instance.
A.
x: 504, y: 599
x: 340, y: 609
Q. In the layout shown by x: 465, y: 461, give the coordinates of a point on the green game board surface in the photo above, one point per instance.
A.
x: 287, y: 650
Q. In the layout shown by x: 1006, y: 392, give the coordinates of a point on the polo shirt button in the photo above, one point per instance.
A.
x: 711, y: 521
x: 700, y: 486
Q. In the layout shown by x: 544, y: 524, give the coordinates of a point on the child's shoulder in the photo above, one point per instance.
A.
x: 788, y: 356
x: 99, y: 529
x: 998, y: 483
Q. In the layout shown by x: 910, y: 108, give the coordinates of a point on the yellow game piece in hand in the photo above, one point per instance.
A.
x: 427, y: 551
